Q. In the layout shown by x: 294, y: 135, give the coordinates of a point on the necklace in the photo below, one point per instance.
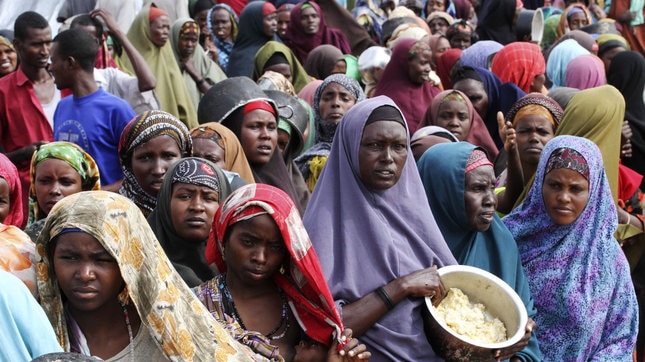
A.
x: 284, y: 319
x: 127, y: 324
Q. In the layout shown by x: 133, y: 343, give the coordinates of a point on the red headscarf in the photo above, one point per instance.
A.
x: 446, y: 61
x: 155, y: 13
x: 304, y: 282
x: 478, y: 134
x: 519, y: 63
x: 301, y: 43
x: 9, y: 173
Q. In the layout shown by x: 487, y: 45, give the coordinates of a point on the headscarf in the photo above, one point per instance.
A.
x: 9, y: 173
x: 559, y: 59
x: 478, y: 134
x: 303, y: 282
x: 171, y: 90
x: 389, y: 231
x: 169, y: 311
x: 302, y: 43
x: 187, y: 257
x: 141, y: 129
x: 412, y: 98
x: 249, y: 40
x: 326, y: 131
x: 298, y: 73
x: 271, y: 80
x: 75, y: 157
x: 404, y: 31
x: 577, y: 273
x: 477, y: 55
x: 204, y: 66
x: 224, y: 48
x: 550, y: 32
x: 458, y: 9
x: 322, y: 59
x: 235, y: 160
x: 563, y: 25
x: 495, y: 21
x: 585, y: 71
x: 536, y: 103
x: 519, y: 63
x: 445, y: 63
x: 607, y: 42
x: 426, y: 137
x: 443, y: 171
x: 584, y: 39
x: 563, y: 95
x: 440, y: 15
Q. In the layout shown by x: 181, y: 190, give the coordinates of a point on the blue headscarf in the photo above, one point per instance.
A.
x: 559, y: 58
x: 224, y: 48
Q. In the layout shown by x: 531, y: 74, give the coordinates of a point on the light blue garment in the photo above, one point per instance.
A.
x: 25, y: 331
x: 559, y: 58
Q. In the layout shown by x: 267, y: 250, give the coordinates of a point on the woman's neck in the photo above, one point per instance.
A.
x: 528, y: 170
x: 241, y: 290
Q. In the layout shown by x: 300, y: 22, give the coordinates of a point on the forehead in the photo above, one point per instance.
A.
x: 469, y: 86
x: 38, y: 35
x: 334, y: 87
x: 384, y: 129
x: 309, y: 11
x: 479, y: 174
x: 453, y: 105
x: 533, y: 120
x: 221, y: 14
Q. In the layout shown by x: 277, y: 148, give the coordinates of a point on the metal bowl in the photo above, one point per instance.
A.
x: 500, y: 301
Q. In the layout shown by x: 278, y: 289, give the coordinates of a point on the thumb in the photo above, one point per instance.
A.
x: 500, y: 120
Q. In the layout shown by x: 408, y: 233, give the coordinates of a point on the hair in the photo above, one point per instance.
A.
x: 80, y: 45
x: 87, y: 20
x: 28, y: 19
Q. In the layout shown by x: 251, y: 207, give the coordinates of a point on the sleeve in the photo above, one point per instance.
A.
x: 532, y: 351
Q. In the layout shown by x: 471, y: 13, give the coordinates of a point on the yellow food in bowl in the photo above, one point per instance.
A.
x: 470, y: 319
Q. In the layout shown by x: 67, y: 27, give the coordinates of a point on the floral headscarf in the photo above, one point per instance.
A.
x: 9, y: 173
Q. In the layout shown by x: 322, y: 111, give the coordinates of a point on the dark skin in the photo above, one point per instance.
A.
x: 515, y: 174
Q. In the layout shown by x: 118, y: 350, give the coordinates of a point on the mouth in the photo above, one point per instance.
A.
x: 156, y: 184
x: 533, y: 149
x: 487, y: 216
x: 265, y: 150
x: 6, y: 65
x: 84, y: 293
x: 195, y: 221
x: 385, y: 173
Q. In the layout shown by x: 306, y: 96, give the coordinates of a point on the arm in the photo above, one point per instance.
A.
x: 514, y: 177
x: 202, y: 83
x: 363, y: 313
x: 147, y: 80
x: 24, y: 154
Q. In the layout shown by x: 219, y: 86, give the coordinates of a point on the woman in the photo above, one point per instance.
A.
x: 217, y: 144
x: 11, y: 210
x: 308, y: 29
x: 428, y: 136
x: 452, y: 110
x: 191, y: 192
x: 496, y: 21
x: 149, y: 144
x: 258, y: 228
x: 577, y: 274
x: 241, y: 105
x: 574, y: 17
x: 8, y: 56
x: 222, y: 23
x: 198, y: 70
x: 521, y: 63
x: 278, y: 57
x: 585, y: 71
x: 104, y: 277
x: 325, y: 60
x: 370, y: 179
x: 459, y: 174
x: 58, y: 169
x: 405, y: 80
x: 258, y: 25
x: 445, y: 63
x: 480, y: 54
x: 438, y: 45
x: 149, y: 34
x: 333, y: 98
x: 559, y: 58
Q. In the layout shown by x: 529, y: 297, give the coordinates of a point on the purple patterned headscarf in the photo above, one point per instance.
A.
x: 577, y: 273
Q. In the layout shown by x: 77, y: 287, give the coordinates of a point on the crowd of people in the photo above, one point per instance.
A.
x: 281, y: 180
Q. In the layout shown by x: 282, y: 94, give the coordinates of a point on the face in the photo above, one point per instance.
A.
x: 187, y: 44
x: 160, y: 30
x: 5, y: 201
x: 609, y: 55
x: 419, y: 67
x: 200, y: 18
x: 221, y: 23
x: 259, y: 136
x: 151, y: 160
x: 442, y: 45
x: 90, y: 29
x: 8, y: 60
x: 335, y: 100
x: 479, y: 197
x: 34, y: 49
x: 283, y: 140
x: 435, y: 5
x: 208, y: 149
x: 192, y: 210
x: 282, y: 68
x: 284, y: 17
x: 54, y: 180
x: 453, y: 116
x: 438, y: 25
x: 382, y: 154
x: 87, y: 274
x: 565, y: 193
x: 538, y: 83
x: 309, y: 20
x: 254, y: 251
x: 270, y: 24
x: 339, y: 68
x: 533, y: 132
x: 460, y: 41
x: 59, y: 68
x: 476, y: 93
x: 577, y: 21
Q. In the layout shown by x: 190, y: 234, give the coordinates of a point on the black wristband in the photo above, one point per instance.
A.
x: 201, y: 81
x: 384, y: 297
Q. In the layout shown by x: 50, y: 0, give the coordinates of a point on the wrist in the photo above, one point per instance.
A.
x: 385, y: 297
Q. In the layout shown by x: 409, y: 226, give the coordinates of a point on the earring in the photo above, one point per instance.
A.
x: 124, y: 296
x: 282, y: 271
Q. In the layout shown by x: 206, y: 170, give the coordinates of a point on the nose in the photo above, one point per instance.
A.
x: 387, y: 156
x: 563, y: 197
x: 158, y: 168
x: 264, y: 133
x: 259, y: 255
x: 197, y: 203
x: 86, y: 272
x: 489, y: 198
x: 55, y: 189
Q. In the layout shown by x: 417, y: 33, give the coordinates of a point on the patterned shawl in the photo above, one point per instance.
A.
x: 9, y: 173
x: 169, y: 311
x: 577, y: 273
x: 224, y: 48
